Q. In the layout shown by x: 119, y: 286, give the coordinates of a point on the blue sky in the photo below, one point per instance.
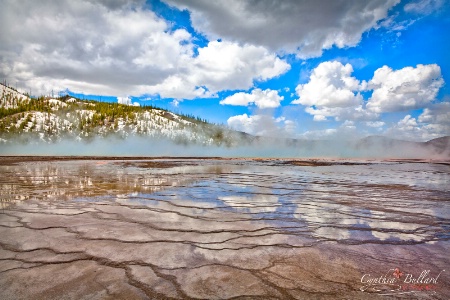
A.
x: 301, y: 69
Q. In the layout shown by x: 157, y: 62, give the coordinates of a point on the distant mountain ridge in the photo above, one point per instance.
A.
x: 371, y: 147
x: 438, y: 146
x: 441, y: 143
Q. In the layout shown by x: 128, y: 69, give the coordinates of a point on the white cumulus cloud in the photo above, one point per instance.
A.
x: 221, y: 66
x: 303, y: 27
x: 120, y: 48
x: 356, y: 113
x: 438, y: 113
x: 434, y: 122
x: 332, y: 92
x: 126, y: 101
x: 404, y: 89
x: 408, y: 129
x: 262, y: 99
x: 262, y: 125
x: 375, y: 124
x: 330, y: 85
x: 436, y: 119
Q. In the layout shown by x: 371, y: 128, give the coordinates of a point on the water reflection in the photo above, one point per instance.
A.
x: 252, y: 204
x: 381, y: 202
x: 68, y: 180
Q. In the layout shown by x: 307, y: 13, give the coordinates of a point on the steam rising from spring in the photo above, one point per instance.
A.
x: 372, y: 147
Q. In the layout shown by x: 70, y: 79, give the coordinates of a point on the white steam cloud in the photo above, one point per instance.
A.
x: 256, y: 147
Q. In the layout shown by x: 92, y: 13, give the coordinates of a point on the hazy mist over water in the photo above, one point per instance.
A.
x: 263, y: 147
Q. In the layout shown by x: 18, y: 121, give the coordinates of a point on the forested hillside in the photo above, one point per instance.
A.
x: 24, y: 119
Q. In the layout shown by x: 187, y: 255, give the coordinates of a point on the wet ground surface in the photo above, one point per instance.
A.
x: 223, y: 229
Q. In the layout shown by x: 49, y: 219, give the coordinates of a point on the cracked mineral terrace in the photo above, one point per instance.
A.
x: 103, y: 228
